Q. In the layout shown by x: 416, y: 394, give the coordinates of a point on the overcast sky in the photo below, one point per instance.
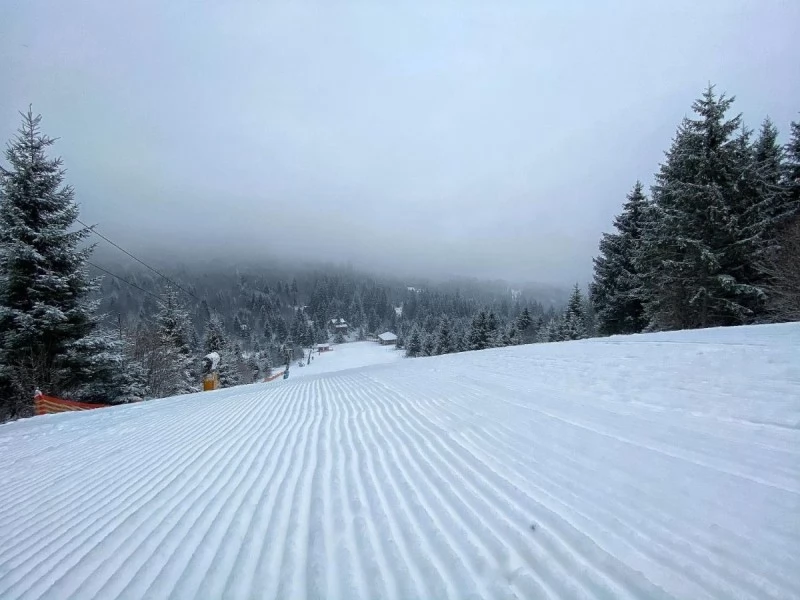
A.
x: 492, y: 138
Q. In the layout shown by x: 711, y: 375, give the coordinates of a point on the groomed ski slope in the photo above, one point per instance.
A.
x: 345, y: 356
x: 650, y: 466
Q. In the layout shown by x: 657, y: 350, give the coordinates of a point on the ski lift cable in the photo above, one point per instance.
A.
x: 122, y: 279
x: 153, y: 269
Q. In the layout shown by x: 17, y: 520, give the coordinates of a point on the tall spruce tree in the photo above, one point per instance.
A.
x: 783, y: 264
x: 414, y: 344
x: 573, y: 325
x: 616, y: 289
x: 444, y: 339
x: 690, y: 255
x: 49, y: 334
x: 772, y: 199
x: 524, y: 320
x: 429, y: 345
x: 174, y: 330
x: 791, y: 174
x: 480, y: 334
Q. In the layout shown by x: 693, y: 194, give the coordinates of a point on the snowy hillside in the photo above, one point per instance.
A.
x: 651, y: 466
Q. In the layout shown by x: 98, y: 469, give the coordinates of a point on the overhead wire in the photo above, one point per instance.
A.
x: 133, y: 285
x: 153, y: 269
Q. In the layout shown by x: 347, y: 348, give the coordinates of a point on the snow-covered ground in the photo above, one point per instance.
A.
x: 650, y: 466
x: 344, y: 356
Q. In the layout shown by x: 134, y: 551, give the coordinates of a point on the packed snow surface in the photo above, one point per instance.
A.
x: 344, y: 356
x: 650, y: 466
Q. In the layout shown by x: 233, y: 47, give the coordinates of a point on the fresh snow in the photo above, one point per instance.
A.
x: 651, y: 466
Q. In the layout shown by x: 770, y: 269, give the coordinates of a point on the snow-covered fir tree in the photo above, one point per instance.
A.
x: 524, y: 321
x: 480, y: 334
x: 616, y: 291
x: 266, y: 364
x: 174, y: 333
x: 445, y: 343
x: 783, y: 264
x: 573, y: 324
x: 771, y: 197
x: 688, y: 262
x: 49, y: 333
x: 429, y: 345
x: 414, y: 344
x: 791, y: 172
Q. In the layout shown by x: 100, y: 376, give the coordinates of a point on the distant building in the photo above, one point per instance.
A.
x: 387, y: 338
x: 339, y: 326
x: 323, y: 347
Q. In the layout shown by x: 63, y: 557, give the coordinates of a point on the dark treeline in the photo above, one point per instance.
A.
x: 254, y: 315
x: 717, y: 241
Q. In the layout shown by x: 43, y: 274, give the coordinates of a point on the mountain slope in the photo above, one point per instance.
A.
x: 650, y: 466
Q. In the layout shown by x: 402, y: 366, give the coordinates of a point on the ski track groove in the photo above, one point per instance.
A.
x: 245, y: 556
x: 678, y: 545
x: 515, y: 521
x: 757, y: 585
x: 431, y: 478
x: 362, y: 521
x: 405, y: 532
x: 161, y: 524
x: 271, y: 554
x: 95, y: 526
x: 368, y: 417
x: 689, y: 545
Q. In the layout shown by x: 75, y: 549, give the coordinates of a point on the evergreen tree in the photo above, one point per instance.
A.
x: 414, y: 345
x: 617, y: 288
x: 689, y: 256
x: 791, y: 173
x: 133, y: 376
x: 552, y: 330
x: 308, y: 336
x: 49, y: 336
x: 480, y: 335
x: 266, y: 364
x: 429, y: 345
x: 573, y: 326
x: 524, y: 320
x: 771, y: 195
x: 174, y: 333
x: 254, y: 368
x: 215, y: 338
x: 783, y: 263
x: 444, y: 341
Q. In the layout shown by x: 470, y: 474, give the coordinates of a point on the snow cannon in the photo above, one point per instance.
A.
x: 210, y: 371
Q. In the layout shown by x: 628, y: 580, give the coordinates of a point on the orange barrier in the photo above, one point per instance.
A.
x: 48, y: 405
x: 273, y: 377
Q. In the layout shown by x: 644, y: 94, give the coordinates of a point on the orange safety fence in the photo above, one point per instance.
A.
x: 273, y: 377
x: 48, y: 405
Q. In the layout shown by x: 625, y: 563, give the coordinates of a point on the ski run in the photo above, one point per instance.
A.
x: 649, y: 466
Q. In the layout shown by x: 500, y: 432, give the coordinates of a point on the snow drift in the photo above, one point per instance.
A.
x: 650, y: 466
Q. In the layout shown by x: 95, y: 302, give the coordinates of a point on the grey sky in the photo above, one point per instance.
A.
x: 495, y: 139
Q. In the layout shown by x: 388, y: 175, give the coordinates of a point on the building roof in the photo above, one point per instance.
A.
x: 323, y: 345
x: 388, y: 336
